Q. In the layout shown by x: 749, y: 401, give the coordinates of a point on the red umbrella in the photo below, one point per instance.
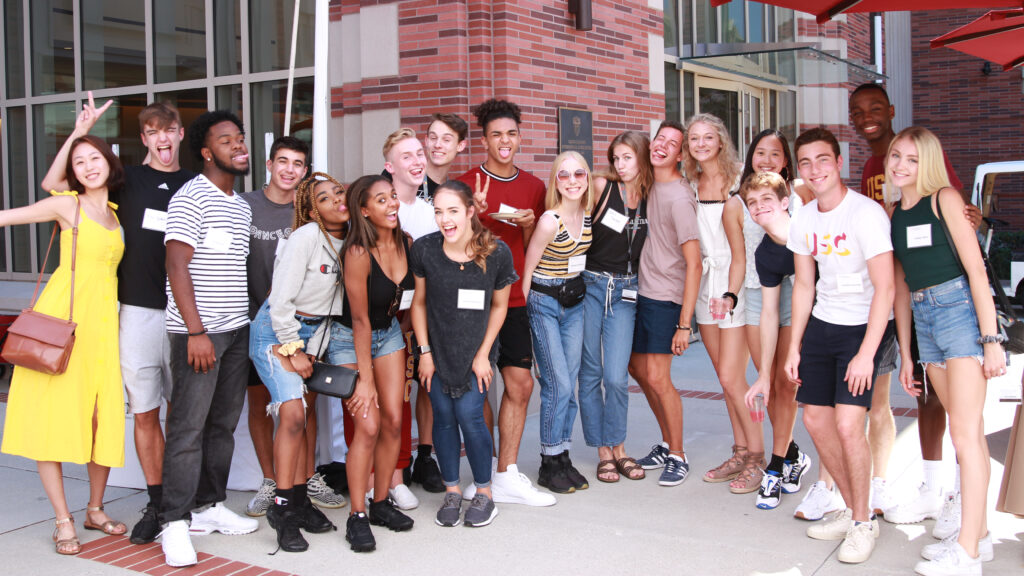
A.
x: 825, y: 10
x: 997, y: 37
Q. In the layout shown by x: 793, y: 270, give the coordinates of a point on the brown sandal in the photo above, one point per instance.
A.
x: 607, y: 467
x: 749, y: 480
x: 628, y: 467
x: 110, y: 527
x: 729, y: 469
x: 66, y: 546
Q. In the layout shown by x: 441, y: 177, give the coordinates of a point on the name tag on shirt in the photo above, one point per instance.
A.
x: 628, y: 295
x: 577, y: 263
x: 155, y: 220
x: 406, y: 300
x: 217, y: 240
x: 614, y: 220
x: 506, y: 209
x: 471, y: 299
x: 919, y: 236
x: 850, y: 283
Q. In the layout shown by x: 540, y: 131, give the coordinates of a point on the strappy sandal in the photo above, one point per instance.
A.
x: 749, y: 480
x: 66, y: 546
x: 628, y: 467
x: 110, y: 527
x: 607, y: 468
x: 729, y: 469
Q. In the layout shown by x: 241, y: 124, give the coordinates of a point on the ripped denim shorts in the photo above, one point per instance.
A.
x: 946, y: 322
x: 282, y: 384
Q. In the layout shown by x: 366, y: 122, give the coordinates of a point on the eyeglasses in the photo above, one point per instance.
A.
x: 564, y: 175
x: 396, y: 303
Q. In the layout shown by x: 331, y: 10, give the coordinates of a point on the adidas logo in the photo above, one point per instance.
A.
x: 163, y: 186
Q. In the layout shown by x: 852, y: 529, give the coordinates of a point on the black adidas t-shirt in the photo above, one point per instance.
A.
x: 142, y: 275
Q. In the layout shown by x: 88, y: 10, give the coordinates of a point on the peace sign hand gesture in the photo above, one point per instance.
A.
x: 89, y: 115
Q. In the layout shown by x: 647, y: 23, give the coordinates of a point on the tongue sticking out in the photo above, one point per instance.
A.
x: 164, y: 154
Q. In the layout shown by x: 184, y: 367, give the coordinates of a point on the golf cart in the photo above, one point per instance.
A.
x: 983, y: 192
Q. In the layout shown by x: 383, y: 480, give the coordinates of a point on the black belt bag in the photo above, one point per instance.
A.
x: 569, y: 293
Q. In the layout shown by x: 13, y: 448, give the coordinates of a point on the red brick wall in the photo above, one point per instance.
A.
x: 977, y: 117
x: 456, y: 53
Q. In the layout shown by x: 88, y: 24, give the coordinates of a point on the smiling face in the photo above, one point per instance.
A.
x: 703, y: 142
x: 501, y: 140
x: 329, y: 199
x: 453, y: 217
x: 225, y: 147
x: 625, y: 162
x: 381, y: 207
x: 287, y: 168
x: 769, y: 156
x: 407, y: 163
x: 442, y: 144
x: 666, y: 148
x: 90, y: 167
x: 902, y: 163
x: 163, y: 145
x: 871, y: 115
x: 819, y: 167
x: 571, y: 179
x: 765, y: 205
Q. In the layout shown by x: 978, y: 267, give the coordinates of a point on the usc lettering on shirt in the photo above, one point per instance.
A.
x: 827, y: 244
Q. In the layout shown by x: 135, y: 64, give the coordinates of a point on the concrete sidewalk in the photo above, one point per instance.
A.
x: 627, y: 527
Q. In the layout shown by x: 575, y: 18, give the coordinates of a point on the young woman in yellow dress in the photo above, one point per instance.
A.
x: 77, y: 416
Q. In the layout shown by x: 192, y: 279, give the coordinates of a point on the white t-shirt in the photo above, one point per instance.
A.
x: 842, y: 240
x: 417, y: 219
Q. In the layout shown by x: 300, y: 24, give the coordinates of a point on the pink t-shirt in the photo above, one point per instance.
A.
x: 671, y: 222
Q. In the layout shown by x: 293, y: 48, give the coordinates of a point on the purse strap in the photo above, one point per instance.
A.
x: 949, y: 237
x: 74, y: 253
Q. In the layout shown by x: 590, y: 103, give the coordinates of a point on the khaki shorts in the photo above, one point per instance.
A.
x: 145, y: 357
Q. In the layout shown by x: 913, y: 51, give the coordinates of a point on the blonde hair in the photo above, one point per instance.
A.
x: 396, y: 137
x: 728, y: 158
x: 760, y: 180
x: 553, y: 198
x: 931, y: 163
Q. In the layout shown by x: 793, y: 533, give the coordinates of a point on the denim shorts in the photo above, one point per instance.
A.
x: 755, y: 302
x: 947, y: 324
x: 282, y: 384
x: 655, y: 325
x: 342, y: 348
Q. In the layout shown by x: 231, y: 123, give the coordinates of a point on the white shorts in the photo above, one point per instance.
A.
x: 145, y: 357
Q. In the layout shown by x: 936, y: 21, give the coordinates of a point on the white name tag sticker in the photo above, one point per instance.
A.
x: 506, y: 209
x: 628, y: 295
x: 919, y: 236
x: 614, y: 220
x: 155, y: 220
x: 218, y: 240
x: 850, y: 283
x: 577, y: 263
x: 406, y: 300
x: 471, y: 299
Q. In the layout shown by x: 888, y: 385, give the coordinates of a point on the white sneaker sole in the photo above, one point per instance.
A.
x: 486, y: 522
x: 202, y: 530
x: 177, y: 564
x: 538, y: 502
x: 322, y: 504
x: 894, y: 516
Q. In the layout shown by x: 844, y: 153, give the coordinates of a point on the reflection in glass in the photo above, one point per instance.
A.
x: 707, y: 22
x: 191, y: 104
x: 270, y: 35
x: 672, y: 110
x: 113, y: 44
x: 18, y: 186
x: 52, y: 124
x: 119, y: 127
x: 672, y: 28
x: 787, y: 115
x: 686, y: 10
x: 755, y: 12
x: 268, y: 100
x: 688, y: 108
x: 53, y: 47
x: 734, y: 24
x: 785, y: 25
x: 14, y: 48
x: 227, y: 37
x: 722, y: 103
x: 179, y: 45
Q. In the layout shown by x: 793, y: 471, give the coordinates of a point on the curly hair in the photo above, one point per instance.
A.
x: 727, y: 158
x: 493, y: 109
x: 115, y: 179
x: 200, y: 128
x: 483, y: 243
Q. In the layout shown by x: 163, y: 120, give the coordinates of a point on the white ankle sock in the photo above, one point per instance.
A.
x: 665, y: 446
x: 933, y: 474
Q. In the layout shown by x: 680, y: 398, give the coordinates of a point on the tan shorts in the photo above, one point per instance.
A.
x: 145, y: 357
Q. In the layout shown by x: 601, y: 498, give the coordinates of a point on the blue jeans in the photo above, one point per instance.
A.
x: 282, y: 384
x: 557, y: 335
x: 465, y: 412
x: 608, y: 322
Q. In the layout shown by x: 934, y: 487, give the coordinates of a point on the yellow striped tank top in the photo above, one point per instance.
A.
x: 554, y: 262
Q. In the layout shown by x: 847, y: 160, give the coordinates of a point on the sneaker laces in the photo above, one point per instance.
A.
x: 316, y: 484
x: 525, y: 481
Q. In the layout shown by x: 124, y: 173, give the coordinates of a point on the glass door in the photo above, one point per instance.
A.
x: 741, y: 106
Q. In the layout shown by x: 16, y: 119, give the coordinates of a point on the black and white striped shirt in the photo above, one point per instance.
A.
x: 216, y: 226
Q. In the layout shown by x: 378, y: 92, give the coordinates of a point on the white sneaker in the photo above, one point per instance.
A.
x: 951, y: 561
x: 263, y: 499
x: 928, y: 504
x: 858, y: 544
x: 403, y: 498
x: 818, y: 501
x: 985, y: 550
x: 881, y: 499
x: 513, y: 487
x: 218, y: 518
x: 948, y: 522
x: 177, y: 545
x: 836, y: 526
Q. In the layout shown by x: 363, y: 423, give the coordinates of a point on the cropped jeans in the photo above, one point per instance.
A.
x: 557, y: 334
x: 608, y: 322
x: 466, y: 413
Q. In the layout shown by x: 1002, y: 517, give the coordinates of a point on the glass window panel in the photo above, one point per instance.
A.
x: 734, y: 22
x: 14, y: 48
x: 755, y: 31
x: 688, y: 109
x: 686, y: 9
x: 672, y: 27
x: 672, y: 110
x: 785, y: 25
x: 787, y: 115
x: 18, y: 186
x: 3, y: 233
x: 725, y: 104
x: 268, y: 105
x: 51, y: 126
x: 227, y: 37
x: 119, y: 126
x: 772, y: 30
x: 53, y: 49
x: 113, y: 44
x: 191, y: 104
x: 179, y: 43
x: 707, y: 22
x: 270, y: 35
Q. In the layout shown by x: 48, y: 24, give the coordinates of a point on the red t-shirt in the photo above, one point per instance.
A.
x: 872, y: 179
x: 521, y: 192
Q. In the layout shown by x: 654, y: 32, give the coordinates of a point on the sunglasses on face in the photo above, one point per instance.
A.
x: 396, y: 303
x: 564, y: 175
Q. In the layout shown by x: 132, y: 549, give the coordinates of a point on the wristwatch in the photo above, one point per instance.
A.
x: 421, y: 350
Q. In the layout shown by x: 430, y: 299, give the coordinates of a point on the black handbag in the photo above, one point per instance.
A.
x: 569, y: 293
x: 329, y: 379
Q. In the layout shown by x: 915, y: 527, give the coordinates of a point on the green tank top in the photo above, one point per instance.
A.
x: 927, y: 263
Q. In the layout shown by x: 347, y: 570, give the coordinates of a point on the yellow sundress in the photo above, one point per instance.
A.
x: 49, y: 418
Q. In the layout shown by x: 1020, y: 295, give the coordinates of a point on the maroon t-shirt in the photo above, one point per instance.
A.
x: 522, y: 191
x: 872, y: 179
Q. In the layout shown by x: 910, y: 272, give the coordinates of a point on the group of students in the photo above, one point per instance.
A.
x: 495, y: 268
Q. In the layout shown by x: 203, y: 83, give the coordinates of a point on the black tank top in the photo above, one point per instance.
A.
x: 617, y: 252
x: 382, y: 294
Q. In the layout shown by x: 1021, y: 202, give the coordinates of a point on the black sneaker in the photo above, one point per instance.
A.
x: 148, y: 528
x: 481, y: 512
x: 450, y: 513
x: 358, y: 533
x: 577, y: 479
x: 312, y: 520
x: 553, y: 477
x: 285, y: 521
x: 385, y: 514
x: 426, y: 473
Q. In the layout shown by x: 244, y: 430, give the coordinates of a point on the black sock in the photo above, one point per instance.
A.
x: 283, y: 496
x: 794, y: 451
x: 424, y: 450
x: 300, y: 494
x: 776, y: 464
x: 156, y: 493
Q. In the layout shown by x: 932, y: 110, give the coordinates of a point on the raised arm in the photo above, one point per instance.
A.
x: 59, y: 208
x: 55, y: 178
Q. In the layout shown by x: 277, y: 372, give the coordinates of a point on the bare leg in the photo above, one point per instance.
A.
x: 931, y: 426
x: 638, y: 370
x: 288, y: 444
x: 821, y: 423
x: 666, y: 397
x: 149, y: 445
x: 782, y: 406
x: 389, y: 375
x: 310, y: 439
x: 856, y: 458
x: 424, y: 417
x: 261, y: 428
x: 50, y: 473
x: 512, y: 414
x: 881, y: 427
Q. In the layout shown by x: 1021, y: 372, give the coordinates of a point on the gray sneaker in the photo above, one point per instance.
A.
x: 481, y: 511
x: 450, y: 513
x: 262, y: 500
